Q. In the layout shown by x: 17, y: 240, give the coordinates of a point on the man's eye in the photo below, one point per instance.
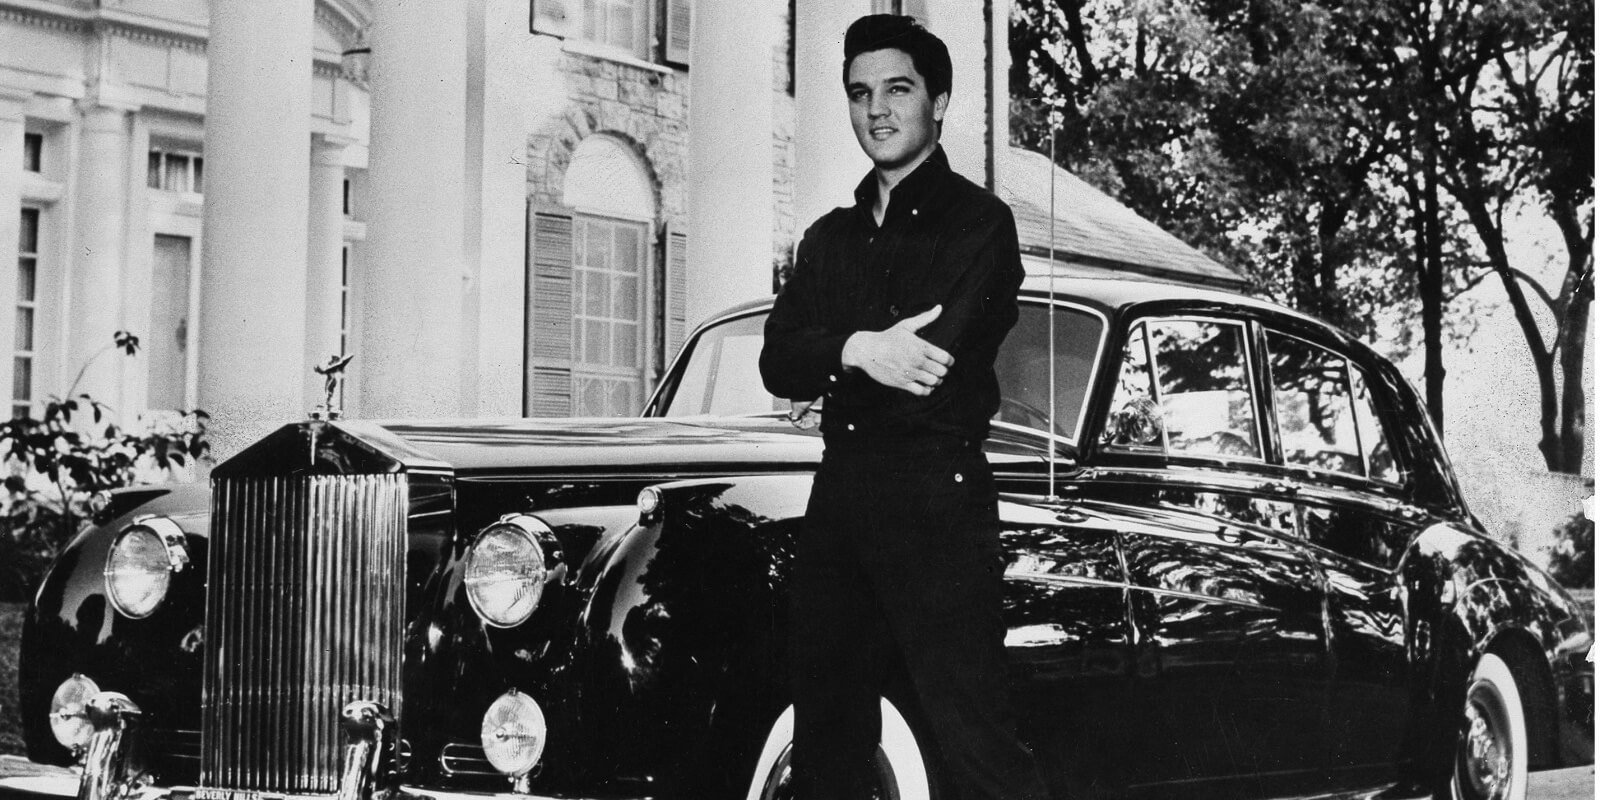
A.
x: 858, y: 96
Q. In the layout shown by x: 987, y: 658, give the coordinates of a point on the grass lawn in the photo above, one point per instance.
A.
x: 10, y: 641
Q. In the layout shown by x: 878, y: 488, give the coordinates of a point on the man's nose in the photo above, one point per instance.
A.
x: 876, y: 107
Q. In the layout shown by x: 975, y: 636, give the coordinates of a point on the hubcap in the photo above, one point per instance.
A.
x: 1486, y: 743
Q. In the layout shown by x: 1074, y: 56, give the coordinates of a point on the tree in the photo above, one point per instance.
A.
x: 1517, y: 122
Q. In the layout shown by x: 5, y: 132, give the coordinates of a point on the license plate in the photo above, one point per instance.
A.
x: 215, y: 793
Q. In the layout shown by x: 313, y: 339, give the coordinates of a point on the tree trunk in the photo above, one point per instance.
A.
x: 1430, y: 287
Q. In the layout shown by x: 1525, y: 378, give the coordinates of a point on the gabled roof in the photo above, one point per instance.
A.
x: 1094, y: 234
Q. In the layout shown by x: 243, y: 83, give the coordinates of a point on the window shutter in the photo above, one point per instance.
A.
x: 555, y: 17
x: 548, y: 389
x: 677, y: 291
x: 679, y: 14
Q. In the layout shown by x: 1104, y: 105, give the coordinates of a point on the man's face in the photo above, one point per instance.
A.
x: 895, y: 120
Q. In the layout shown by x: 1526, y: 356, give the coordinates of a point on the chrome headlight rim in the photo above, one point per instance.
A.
x: 69, y: 722
x: 164, y: 553
x: 514, y: 715
x: 538, y: 554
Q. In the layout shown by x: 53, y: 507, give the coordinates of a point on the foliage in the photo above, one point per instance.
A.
x: 63, y: 463
x: 1357, y: 159
x: 1572, y: 558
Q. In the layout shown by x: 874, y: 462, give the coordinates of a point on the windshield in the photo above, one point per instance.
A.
x: 718, y: 375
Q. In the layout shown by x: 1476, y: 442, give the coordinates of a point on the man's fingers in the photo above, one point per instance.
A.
x: 937, y: 355
x: 920, y: 321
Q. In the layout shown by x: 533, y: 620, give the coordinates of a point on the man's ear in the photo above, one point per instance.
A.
x: 940, y: 103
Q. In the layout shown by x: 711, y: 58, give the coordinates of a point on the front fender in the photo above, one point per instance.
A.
x: 680, y: 643
x: 72, y: 627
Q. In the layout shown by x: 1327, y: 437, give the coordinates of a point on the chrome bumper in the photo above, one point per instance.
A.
x: 63, y: 783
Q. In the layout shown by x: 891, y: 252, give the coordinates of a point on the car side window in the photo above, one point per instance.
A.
x: 1326, y: 415
x: 1183, y: 390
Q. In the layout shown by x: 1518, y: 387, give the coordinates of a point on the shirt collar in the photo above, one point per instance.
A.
x: 912, y: 189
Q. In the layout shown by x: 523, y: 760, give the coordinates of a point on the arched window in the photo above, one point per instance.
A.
x: 593, y: 290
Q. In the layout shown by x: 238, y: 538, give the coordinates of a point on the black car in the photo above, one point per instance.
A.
x: 1239, y: 565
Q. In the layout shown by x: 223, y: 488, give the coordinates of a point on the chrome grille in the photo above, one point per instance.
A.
x: 304, y: 613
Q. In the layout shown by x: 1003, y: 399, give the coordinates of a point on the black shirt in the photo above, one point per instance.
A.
x: 944, y: 241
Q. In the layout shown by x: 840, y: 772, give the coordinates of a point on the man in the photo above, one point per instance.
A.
x: 891, y: 322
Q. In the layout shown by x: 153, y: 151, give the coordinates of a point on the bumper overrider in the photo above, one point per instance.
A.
x: 111, y: 768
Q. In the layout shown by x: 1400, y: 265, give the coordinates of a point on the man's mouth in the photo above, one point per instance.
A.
x: 881, y: 132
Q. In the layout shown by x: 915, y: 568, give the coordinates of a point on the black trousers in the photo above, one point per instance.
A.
x: 900, y: 564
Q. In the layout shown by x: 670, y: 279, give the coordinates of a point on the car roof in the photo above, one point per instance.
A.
x: 1113, y: 296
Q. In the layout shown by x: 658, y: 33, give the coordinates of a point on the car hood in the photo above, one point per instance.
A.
x: 615, y: 446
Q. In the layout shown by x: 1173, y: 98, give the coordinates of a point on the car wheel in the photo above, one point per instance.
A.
x: 1490, y: 760
x: 901, y: 773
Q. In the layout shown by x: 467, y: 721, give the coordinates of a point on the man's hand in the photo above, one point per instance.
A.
x: 897, y: 357
x: 805, y: 415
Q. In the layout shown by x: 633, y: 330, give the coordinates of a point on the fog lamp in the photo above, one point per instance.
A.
x: 507, y: 570
x: 513, y: 733
x: 68, y: 721
x: 138, y: 572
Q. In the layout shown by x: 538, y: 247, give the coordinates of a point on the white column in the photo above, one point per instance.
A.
x: 730, y: 155
x: 827, y: 161
x: 411, y: 290
x: 253, y: 260
x: 503, y: 77
x: 324, y: 258
x: 94, y: 290
x: 11, y: 130
x: 961, y: 24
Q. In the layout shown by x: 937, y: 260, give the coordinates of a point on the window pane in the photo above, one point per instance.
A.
x: 597, y: 295
x: 22, y: 379
x: 32, y: 152
x: 175, y: 178
x: 1133, y: 422
x: 1380, y: 459
x: 153, y: 177
x: 621, y: 27
x: 1023, y: 367
x: 199, y: 170
x: 627, y: 248
x: 1205, y: 400
x: 596, y: 343
x: 28, y: 238
x: 1314, y: 412
x: 627, y: 345
x: 599, y: 245
x: 592, y: 13
x: 25, y: 329
x: 625, y: 300
x: 27, y: 269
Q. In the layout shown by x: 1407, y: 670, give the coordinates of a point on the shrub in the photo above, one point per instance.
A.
x: 62, y: 465
x: 1572, y: 557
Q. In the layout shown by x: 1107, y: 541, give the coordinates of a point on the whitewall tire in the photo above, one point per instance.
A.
x: 1490, y: 757
x: 901, y: 772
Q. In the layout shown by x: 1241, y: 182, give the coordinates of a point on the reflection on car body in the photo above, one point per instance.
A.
x: 1238, y: 565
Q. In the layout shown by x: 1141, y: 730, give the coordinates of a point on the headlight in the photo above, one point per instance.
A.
x: 507, y: 569
x: 513, y: 733
x: 67, y: 720
x: 138, y: 570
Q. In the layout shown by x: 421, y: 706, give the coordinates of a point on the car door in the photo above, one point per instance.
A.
x: 1226, y: 605
x: 1356, y: 524
x: 1067, y: 635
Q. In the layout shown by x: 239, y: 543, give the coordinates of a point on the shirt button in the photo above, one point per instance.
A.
x: 959, y: 478
x: 850, y: 427
x: 833, y: 378
x: 913, y: 212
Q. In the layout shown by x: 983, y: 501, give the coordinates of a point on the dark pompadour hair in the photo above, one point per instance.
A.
x: 891, y: 31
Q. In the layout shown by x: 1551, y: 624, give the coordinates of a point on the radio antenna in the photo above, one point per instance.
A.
x: 1050, y: 313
